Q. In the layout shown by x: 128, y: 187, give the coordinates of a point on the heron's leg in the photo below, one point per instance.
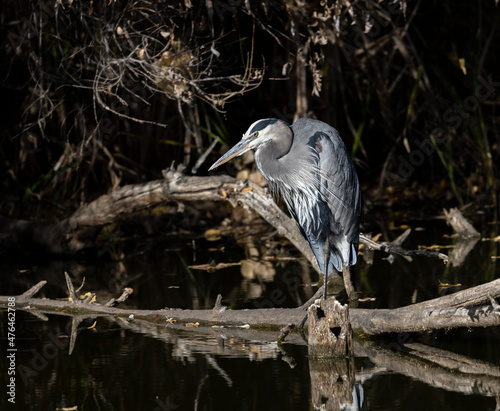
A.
x: 326, y: 253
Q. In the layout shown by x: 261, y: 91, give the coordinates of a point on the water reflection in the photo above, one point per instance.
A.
x: 121, y: 364
x: 332, y: 384
x: 130, y: 365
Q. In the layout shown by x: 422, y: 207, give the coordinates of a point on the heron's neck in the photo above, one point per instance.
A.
x: 271, y: 158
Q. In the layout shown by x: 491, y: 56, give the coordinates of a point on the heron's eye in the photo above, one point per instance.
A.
x: 256, y: 134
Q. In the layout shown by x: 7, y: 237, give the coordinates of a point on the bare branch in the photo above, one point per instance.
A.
x: 394, y: 250
x: 33, y: 290
x: 433, y: 315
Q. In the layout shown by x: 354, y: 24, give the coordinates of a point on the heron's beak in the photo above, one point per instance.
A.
x: 237, y: 150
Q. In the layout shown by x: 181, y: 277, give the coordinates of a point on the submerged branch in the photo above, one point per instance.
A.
x: 395, y: 250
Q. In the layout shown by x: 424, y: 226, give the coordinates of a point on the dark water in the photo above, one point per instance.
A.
x: 122, y: 365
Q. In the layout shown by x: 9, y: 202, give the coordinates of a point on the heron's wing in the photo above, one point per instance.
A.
x: 321, y: 189
x: 340, y: 189
x: 309, y: 215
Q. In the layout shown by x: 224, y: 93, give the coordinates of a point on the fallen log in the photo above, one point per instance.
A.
x: 363, y: 321
x: 79, y: 231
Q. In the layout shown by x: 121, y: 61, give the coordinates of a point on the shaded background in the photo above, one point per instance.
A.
x: 100, y: 94
x: 96, y: 95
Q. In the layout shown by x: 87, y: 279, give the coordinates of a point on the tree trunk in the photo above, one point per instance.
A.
x: 329, y: 329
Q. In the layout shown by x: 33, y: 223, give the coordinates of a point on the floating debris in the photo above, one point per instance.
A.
x: 213, y: 234
x: 92, y: 326
x: 444, y: 286
x: 212, y: 267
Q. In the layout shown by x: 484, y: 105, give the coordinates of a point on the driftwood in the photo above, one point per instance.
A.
x: 460, y: 225
x: 79, y: 231
x: 334, y: 381
x: 456, y: 310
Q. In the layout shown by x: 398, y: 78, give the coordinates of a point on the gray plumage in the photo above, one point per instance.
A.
x: 308, y: 165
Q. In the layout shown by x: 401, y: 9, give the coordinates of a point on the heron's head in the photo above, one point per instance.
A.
x: 259, y: 133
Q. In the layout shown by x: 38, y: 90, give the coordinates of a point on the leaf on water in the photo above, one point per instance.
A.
x: 434, y: 247
x: 444, y: 286
x: 212, y: 267
x: 196, y: 324
x: 247, y: 190
x: 84, y: 296
x: 392, y: 226
x: 212, y: 234
x: 224, y: 192
x: 282, y: 258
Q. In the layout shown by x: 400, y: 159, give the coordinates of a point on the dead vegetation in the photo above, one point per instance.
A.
x: 106, y: 94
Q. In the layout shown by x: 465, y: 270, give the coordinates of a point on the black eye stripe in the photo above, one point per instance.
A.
x: 261, y: 125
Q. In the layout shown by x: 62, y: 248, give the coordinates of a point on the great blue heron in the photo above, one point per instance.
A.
x: 308, y: 165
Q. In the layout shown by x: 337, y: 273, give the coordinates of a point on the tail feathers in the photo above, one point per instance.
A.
x: 353, y: 258
x: 341, y: 253
x: 348, y: 251
x: 335, y: 261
